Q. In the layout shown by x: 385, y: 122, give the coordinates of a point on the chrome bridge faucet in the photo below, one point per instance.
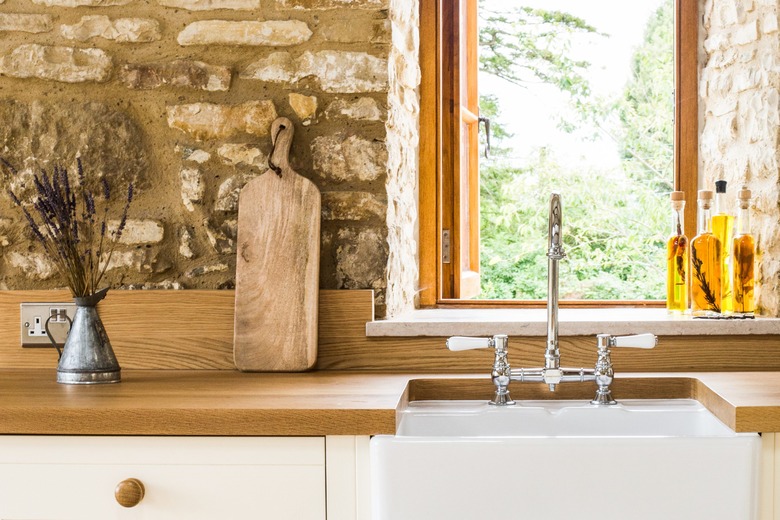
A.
x: 552, y: 374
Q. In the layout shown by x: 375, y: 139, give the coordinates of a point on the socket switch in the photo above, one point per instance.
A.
x: 33, y: 323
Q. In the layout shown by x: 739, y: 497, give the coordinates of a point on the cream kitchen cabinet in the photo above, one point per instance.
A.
x: 64, y: 478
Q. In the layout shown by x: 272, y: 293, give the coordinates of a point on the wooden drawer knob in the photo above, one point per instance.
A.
x: 129, y: 492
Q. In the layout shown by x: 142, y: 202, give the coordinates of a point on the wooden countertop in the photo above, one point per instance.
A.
x: 224, y: 402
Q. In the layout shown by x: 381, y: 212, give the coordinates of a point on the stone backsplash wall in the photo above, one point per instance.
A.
x: 740, y: 110
x: 180, y: 95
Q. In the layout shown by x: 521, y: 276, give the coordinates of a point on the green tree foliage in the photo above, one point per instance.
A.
x: 522, y: 45
x: 609, y: 229
x: 646, y: 111
x: 614, y: 221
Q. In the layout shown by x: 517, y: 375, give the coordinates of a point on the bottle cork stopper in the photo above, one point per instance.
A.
x: 678, y: 196
x: 705, y: 195
x: 744, y: 193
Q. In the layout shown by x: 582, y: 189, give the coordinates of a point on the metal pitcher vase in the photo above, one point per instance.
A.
x: 87, y: 357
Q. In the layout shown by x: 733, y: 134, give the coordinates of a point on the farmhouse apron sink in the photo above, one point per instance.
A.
x: 563, y: 459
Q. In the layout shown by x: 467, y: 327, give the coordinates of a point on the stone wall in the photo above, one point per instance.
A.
x: 180, y: 94
x: 740, y: 110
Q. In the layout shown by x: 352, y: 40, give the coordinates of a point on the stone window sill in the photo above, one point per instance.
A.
x: 572, y: 322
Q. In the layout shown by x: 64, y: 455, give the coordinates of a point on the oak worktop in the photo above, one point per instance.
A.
x: 225, y: 402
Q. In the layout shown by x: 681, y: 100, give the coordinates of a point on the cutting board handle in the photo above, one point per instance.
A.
x: 281, y: 140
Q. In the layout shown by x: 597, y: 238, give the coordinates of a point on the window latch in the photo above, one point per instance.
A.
x: 486, y: 121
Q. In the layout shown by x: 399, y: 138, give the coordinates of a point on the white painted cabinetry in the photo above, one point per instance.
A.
x: 64, y: 478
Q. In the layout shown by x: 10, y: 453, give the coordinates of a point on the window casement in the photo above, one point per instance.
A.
x: 449, y: 154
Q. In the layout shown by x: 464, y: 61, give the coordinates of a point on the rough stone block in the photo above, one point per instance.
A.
x: 361, y: 257
x: 361, y: 109
x: 243, y: 154
x: 747, y: 79
x: 206, y: 269
x: 336, y: 71
x: 35, y: 266
x: 122, y: 30
x: 196, y: 156
x: 81, y: 3
x: 769, y: 23
x: 722, y: 59
x: 341, y: 158
x: 332, y: 4
x: 179, y: 73
x: 279, y: 67
x: 723, y: 106
x: 228, y: 192
x: 6, y: 231
x: 352, y: 205
x: 212, y: 121
x: 746, y: 33
x: 347, y: 31
x: 140, y: 260
x: 344, y: 71
x: 192, y: 187
x: 185, y: 243
x: 305, y: 107
x: 66, y: 64
x: 728, y: 13
x: 222, y: 32
x: 31, y: 23
x: 218, y: 238
x: 210, y: 5
x: 109, y: 141
x: 137, y: 231
x: 717, y: 41
x: 164, y: 285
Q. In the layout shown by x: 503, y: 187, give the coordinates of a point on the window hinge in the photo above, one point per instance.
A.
x: 445, y: 246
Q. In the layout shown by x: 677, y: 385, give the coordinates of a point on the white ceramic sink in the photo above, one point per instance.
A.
x: 629, y: 418
x: 548, y: 460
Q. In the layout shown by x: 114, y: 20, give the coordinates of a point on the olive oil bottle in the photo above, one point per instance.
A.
x: 723, y: 228
x: 706, y: 266
x: 744, y: 257
x: 677, y: 259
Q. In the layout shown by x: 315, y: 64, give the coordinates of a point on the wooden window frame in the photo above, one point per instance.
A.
x: 443, y: 199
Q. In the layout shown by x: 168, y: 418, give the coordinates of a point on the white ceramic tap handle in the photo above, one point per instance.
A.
x: 457, y: 343
x: 636, y: 341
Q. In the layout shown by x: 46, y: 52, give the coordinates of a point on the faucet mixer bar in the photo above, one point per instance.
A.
x: 502, y: 374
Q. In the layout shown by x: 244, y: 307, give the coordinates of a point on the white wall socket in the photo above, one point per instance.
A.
x: 33, y: 323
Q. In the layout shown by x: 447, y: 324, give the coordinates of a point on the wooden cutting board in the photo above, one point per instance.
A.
x: 277, y: 266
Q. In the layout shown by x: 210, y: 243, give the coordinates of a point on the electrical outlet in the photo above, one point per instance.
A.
x: 33, y: 323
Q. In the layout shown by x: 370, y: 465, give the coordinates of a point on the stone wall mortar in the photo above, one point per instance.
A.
x: 740, y: 107
x: 176, y: 106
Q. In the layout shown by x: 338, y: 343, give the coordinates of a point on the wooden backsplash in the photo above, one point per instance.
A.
x: 194, y: 330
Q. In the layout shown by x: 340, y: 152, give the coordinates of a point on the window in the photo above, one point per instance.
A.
x: 449, y: 167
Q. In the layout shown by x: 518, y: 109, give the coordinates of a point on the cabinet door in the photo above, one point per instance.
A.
x: 63, y: 478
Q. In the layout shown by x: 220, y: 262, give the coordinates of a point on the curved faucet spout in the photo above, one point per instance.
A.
x: 555, y: 252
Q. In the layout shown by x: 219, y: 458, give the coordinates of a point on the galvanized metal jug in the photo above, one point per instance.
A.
x: 87, y: 357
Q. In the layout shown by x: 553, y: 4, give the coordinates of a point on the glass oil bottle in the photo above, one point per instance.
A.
x: 706, y: 266
x: 677, y: 259
x: 723, y: 228
x: 744, y: 257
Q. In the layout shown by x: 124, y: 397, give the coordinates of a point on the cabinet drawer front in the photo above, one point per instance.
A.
x: 181, y: 485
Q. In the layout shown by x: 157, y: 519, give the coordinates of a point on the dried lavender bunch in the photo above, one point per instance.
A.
x: 71, y: 224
